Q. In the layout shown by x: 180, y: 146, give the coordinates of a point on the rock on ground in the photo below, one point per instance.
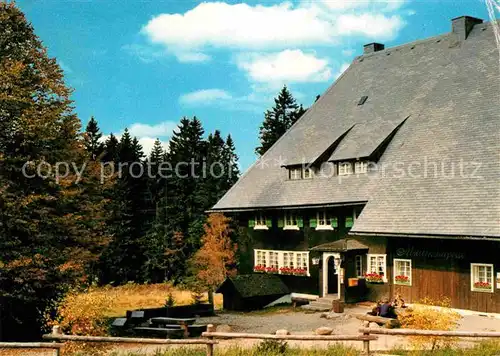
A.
x: 324, y: 330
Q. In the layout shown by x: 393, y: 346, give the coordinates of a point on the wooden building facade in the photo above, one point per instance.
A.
x: 389, y: 183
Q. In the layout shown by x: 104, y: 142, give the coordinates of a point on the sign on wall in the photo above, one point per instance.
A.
x: 413, y: 252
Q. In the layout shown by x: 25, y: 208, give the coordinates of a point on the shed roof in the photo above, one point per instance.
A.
x: 342, y: 245
x: 255, y: 285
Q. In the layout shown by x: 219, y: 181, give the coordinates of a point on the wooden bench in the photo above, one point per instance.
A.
x: 183, y: 323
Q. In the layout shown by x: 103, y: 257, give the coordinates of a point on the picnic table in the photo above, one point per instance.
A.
x: 168, y: 322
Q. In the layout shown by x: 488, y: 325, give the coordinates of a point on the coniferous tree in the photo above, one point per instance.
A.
x: 52, y: 228
x: 232, y: 169
x: 92, y: 138
x: 111, y: 149
x: 278, y: 120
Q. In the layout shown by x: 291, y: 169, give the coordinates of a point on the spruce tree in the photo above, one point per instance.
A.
x: 52, y: 228
x: 278, y: 120
x: 92, y: 138
x: 111, y: 149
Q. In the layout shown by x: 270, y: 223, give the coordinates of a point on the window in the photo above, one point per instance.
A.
x: 282, y: 262
x: 345, y: 168
x: 291, y: 221
x: 308, y: 173
x: 260, y: 258
x: 295, y: 173
x: 377, y: 264
x: 359, y: 265
x: 273, y: 259
x: 402, y: 272
x: 481, y: 277
x: 324, y: 221
x: 260, y: 222
x: 361, y: 167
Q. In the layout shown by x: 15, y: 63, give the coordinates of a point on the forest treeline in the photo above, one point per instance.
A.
x: 58, y: 231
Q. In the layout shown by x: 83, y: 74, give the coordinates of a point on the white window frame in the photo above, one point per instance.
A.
x: 295, y: 173
x: 260, y: 222
x: 369, y: 264
x: 361, y: 167
x: 324, y: 217
x: 291, y: 259
x: 395, y: 271
x: 473, y: 278
x: 309, y: 171
x: 358, y: 263
x: 290, y: 217
x: 345, y: 168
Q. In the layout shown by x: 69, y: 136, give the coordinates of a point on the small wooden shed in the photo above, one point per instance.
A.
x: 251, y: 291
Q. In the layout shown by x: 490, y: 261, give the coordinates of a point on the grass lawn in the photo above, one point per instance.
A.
x: 137, y: 296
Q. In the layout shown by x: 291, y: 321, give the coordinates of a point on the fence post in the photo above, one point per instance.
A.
x: 210, y: 347
x: 366, y: 344
x: 56, y: 330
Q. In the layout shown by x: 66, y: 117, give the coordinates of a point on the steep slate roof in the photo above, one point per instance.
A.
x: 255, y: 285
x: 450, y: 92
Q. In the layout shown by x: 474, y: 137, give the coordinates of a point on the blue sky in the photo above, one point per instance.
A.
x: 145, y: 64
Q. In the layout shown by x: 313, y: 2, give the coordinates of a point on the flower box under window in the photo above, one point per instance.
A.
x: 402, y: 280
x: 374, y: 278
x: 482, y: 277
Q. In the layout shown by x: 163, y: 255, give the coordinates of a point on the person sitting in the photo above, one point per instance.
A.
x: 399, y: 302
x: 387, y: 310
x: 376, y: 309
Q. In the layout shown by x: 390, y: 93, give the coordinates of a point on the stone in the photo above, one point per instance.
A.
x: 223, y: 328
x: 374, y: 325
x: 324, y: 330
x: 282, y: 332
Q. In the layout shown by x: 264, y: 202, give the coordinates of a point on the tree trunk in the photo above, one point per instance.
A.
x: 211, y: 296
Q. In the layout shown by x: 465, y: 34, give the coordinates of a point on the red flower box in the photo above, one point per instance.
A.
x: 293, y: 271
x: 402, y: 279
x: 482, y: 285
x: 374, y: 278
x: 259, y: 268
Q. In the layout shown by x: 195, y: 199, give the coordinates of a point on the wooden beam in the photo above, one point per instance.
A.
x: 30, y: 345
x: 412, y: 332
x: 290, y: 337
x: 129, y: 340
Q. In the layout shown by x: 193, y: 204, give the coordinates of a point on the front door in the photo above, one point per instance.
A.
x: 333, y: 277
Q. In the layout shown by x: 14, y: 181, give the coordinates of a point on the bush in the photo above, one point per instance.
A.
x: 425, y: 316
x: 272, y: 347
x: 170, y: 302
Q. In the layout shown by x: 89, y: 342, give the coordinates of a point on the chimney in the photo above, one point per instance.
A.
x: 372, y: 47
x: 462, y: 26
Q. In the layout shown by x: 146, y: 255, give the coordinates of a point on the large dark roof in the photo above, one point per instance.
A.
x: 449, y: 89
x: 255, y: 285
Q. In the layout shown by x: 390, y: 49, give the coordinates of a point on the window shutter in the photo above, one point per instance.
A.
x: 335, y: 222
x: 313, y: 222
x: 251, y: 223
x: 269, y: 223
x: 281, y: 223
x: 348, y: 221
x: 300, y: 222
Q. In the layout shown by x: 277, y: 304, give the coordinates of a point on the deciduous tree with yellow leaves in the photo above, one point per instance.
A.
x: 215, y: 260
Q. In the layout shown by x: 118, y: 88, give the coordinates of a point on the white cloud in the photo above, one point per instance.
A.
x: 147, y: 134
x: 163, y: 129
x: 204, y: 96
x: 212, y: 25
x: 342, y: 69
x: 287, y: 66
x: 240, y: 25
x: 370, y: 25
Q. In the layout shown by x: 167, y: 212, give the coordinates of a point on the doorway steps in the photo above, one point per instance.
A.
x: 320, y: 304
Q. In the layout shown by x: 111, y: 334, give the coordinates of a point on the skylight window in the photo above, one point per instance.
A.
x: 362, y: 100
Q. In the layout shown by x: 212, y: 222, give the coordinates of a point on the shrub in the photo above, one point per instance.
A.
x: 425, y: 316
x: 272, y: 347
x: 170, y: 302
